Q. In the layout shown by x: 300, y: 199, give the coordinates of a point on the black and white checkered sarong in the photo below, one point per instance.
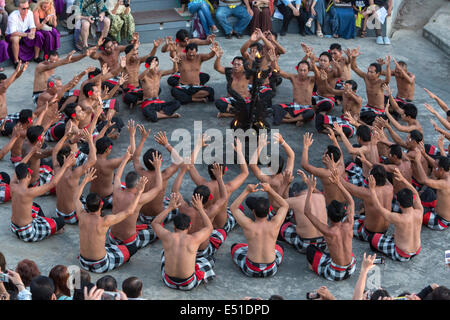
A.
x: 386, y: 244
x: 323, y: 266
x: 252, y: 269
x: 114, y: 258
x: 289, y: 234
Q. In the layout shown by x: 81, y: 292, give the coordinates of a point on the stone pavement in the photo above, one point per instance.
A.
x: 294, y: 278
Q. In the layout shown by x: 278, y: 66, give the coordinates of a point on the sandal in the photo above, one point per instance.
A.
x: 320, y: 34
x: 363, y: 33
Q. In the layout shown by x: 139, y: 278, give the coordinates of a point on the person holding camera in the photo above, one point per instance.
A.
x: 46, y: 21
x: 122, y: 21
x: 92, y: 12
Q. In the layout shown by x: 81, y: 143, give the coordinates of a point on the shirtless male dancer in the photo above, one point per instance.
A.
x: 299, y: 111
x: 261, y: 256
x: 152, y: 107
x: 95, y: 255
x: 189, y: 88
x: 405, y: 243
x: 6, y: 82
x: 127, y: 232
x: 28, y: 221
x: 340, y: 263
x: 181, y: 268
x: 405, y: 83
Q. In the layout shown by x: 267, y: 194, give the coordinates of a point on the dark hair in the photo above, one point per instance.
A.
x: 377, y: 67
x: 259, y: 46
x: 42, y: 288
x: 444, y: 163
x: 106, y: 40
x: 259, y: 205
x: 69, y: 110
x: 210, y: 170
x: 379, y: 293
x: 396, y: 150
x: 379, y: 173
x: 21, y: 170
x: 64, y: 152
x: 149, y: 60
x: 129, y: 48
x: 148, y: 155
x: 441, y: 293
x: 410, y: 110
x: 336, y: 46
x: 239, y: 58
x: 33, y: 133
x: 416, y: 135
x: 182, y: 34
x: 276, y: 297
x: 181, y: 221
x: 191, y: 46
x: 3, y: 76
x: 60, y: 275
x: 4, y: 177
x: 333, y: 150
x: 131, y: 179
x: 2, y: 263
x: 353, y: 83
x: 88, y: 87
x: 336, y: 211
x: 448, y: 113
x: 25, y: 115
x: 132, y: 287
x: 280, y: 163
x: 363, y: 132
x: 203, y: 191
x: 103, y: 144
x: 402, y: 63
x: 405, y: 198
x: 53, y: 53
x: 94, y: 73
x: 108, y: 283
x: 303, y: 62
x: 93, y: 202
x: 326, y: 53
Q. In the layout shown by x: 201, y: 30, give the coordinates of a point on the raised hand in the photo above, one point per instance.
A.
x: 131, y: 127
x: 307, y: 140
x: 238, y: 145
x: 144, y: 133
x: 70, y: 161
x: 141, y: 184
x: 161, y: 138
x: 252, y: 188
x: 431, y: 94
x: 372, y: 182
x: 311, y: 182
x: 197, y: 201
x: 217, y: 171
x: 175, y: 201
x: 157, y: 160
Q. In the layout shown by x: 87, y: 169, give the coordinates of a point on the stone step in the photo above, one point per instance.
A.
x: 437, y: 30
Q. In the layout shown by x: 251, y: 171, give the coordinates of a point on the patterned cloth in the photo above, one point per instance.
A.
x: 114, y: 258
x: 324, y: 121
x: 144, y: 236
x: 122, y: 26
x: 217, y: 238
x: 386, y: 244
x: 289, y: 234
x: 5, y: 192
x: 45, y: 176
x: 53, y: 134
x: 252, y: 269
x: 203, y: 272
x: 323, y: 104
x: 430, y: 218
x: 359, y: 230
x: 293, y: 109
x: 323, y: 266
x: 355, y: 175
x: 69, y: 218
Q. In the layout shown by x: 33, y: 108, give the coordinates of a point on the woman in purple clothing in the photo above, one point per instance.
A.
x: 46, y: 21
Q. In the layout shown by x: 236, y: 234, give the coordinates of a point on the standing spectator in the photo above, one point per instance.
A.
x: 122, y: 21
x: 27, y: 270
x: 201, y: 7
x: 46, y: 21
x: 59, y: 274
x: 290, y: 9
x: 21, y: 34
x: 91, y: 13
x: 238, y: 8
x: 132, y: 287
x: 262, y: 15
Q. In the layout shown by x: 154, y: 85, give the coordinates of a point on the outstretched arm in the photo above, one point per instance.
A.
x: 253, y: 163
x: 234, y: 184
x: 439, y: 101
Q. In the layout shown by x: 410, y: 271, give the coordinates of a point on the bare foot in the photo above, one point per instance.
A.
x: 220, y: 115
x: 60, y: 231
x: 176, y: 115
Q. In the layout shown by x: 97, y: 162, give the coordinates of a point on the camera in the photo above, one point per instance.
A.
x: 379, y: 260
x: 312, y: 295
x: 4, y: 277
x: 126, y: 3
x: 95, y: 19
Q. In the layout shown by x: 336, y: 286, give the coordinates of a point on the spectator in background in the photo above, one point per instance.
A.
x: 237, y: 8
x: 262, y: 15
x: 376, y: 5
x: 3, y: 17
x: 108, y: 283
x: 202, y: 8
x: 360, y: 10
x: 316, y: 9
x: 290, y: 9
x: 24, y: 43
x: 122, y: 21
x: 12, y: 5
x: 132, y: 287
x: 27, y: 270
x: 183, y: 7
x: 46, y: 21
x: 59, y: 274
x: 42, y: 288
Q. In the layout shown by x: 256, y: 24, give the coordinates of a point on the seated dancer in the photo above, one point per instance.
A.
x: 252, y: 50
x: 181, y: 269
x: 5, y: 83
x: 28, y: 221
x: 179, y: 48
x: 157, y: 205
x: 436, y: 215
x: 22, y: 120
x: 109, y: 53
x: 261, y: 256
x: 152, y: 107
x: 102, y: 185
x: 323, y: 98
x: 224, y: 219
x: 67, y: 186
x: 299, y: 111
x: 47, y: 68
x: 332, y: 154
x: 133, y: 93
x: 340, y: 263
x: 95, y: 255
x: 370, y: 222
x: 405, y: 243
x: 189, y: 88
x: 297, y: 230
x: 276, y: 177
x: 212, y: 206
x: 127, y: 232
x: 374, y: 87
x: 405, y: 83
x: 237, y: 78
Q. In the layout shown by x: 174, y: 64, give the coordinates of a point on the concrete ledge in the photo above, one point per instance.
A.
x: 437, y: 30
